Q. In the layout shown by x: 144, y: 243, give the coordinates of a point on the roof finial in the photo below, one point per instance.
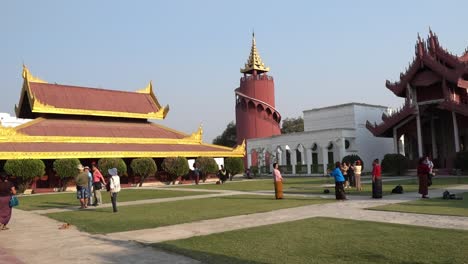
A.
x: 254, y: 63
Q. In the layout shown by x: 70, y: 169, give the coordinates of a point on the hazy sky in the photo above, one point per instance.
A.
x: 320, y: 52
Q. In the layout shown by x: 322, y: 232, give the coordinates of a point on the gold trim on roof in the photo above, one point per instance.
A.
x: 116, y: 154
x: 40, y: 107
x: 254, y: 62
x: 196, y: 136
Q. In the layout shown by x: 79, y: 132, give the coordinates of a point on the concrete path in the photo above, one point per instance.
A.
x: 33, y: 238
x: 351, y: 209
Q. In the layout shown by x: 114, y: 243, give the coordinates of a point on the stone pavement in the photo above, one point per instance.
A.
x: 42, y: 242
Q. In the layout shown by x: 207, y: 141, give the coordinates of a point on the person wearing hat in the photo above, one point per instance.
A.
x: 82, y: 186
x: 114, y: 181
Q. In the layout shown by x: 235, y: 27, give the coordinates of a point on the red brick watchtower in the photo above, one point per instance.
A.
x: 256, y: 115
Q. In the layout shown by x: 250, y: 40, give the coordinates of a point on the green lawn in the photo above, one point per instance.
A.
x: 170, y: 213
x: 264, y: 184
x: 48, y: 201
x: 437, y: 206
x: 326, y: 240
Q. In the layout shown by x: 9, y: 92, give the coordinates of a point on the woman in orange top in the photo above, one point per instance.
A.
x: 278, y: 181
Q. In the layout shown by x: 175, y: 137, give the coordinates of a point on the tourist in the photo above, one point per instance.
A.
x: 278, y: 181
x: 98, y: 181
x: 351, y: 175
x: 114, y: 182
x: 357, y: 175
x: 344, y: 171
x: 339, y: 181
x: 90, y: 185
x: 81, y: 181
x: 196, y: 173
x: 7, y: 189
x: 423, y: 176
x: 376, y: 179
x: 222, y: 173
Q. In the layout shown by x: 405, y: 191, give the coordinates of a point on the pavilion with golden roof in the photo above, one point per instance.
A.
x: 92, y: 123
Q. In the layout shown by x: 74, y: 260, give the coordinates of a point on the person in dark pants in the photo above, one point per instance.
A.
x: 376, y: 179
x: 114, y: 182
x: 339, y: 181
x: 196, y: 173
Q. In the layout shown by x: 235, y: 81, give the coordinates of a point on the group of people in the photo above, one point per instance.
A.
x: 89, y: 186
x: 347, y: 176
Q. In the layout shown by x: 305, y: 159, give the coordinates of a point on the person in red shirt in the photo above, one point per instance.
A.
x: 376, y: 179
x: 423, y: 175
x: 98, y: 182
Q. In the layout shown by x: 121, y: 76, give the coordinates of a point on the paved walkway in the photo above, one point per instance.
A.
x: 34, y: 238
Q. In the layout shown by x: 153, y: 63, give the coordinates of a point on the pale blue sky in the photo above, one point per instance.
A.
x: 320, y: 52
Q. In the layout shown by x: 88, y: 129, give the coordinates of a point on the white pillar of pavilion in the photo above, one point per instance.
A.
x: 325, y: 159
x: 395, y: 141
x: 433, y: 139
x: 293, y: 160
x: 308, y: 157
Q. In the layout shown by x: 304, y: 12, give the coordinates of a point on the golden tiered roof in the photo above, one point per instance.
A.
x: 254, y: 62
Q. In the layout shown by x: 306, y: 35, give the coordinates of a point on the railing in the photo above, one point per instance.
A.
x: 316, y: 168
x: 256, y: 77
x: 301, y: 169
x: 285, y: 169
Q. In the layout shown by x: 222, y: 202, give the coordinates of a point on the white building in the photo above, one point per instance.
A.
x: 330, y: 133
x: 6, y: 120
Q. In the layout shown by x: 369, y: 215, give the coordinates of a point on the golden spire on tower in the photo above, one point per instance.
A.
x: 254, y: 62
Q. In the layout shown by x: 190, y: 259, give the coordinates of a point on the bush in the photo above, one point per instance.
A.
x: 461, y: 160
x: 105, y: 164
x: 206, y: 166
x: 66, y: 170
x: 175, y: 167
x: 234, y: 165
x: 254, y: 170
x: 143, y: 167
x: 25, y: 170
x: 395, y: 164
x: 353, y: 158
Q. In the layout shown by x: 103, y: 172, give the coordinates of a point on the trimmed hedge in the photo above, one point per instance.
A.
x: 66, y: 170
x: 105, y: 164
x: 206, y: 166
x: 143, y: 167
x: 395, y: 164
x: 175, y: 166
x: 353, y: 158
x: 461, y: 160
x: 234, y: 165
x: 25, y: 170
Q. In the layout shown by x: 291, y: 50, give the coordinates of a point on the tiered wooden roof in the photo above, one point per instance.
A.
x: 83, y: 122
x: 432, y: 65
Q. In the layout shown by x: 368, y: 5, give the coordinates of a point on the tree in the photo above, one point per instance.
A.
x: 206, y: 166
x: 105, y: 164
x: 143, y: 167
x: 229, y: 136
x: 175, y: 166
x: 66, y: 169
x: 25, y: 170
x: 353, y: 158
x: 234, y: 165
x: 395, y: 164
x: 291, y: 125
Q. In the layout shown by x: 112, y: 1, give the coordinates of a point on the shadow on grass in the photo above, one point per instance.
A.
x: 267, y: 198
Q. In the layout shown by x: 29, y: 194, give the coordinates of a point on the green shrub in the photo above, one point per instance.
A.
x: 143, y: 167
x: 206, y: 166
x: 254, y: 170
x: 461, y: 160
x: 353, y: 158
x: 234, y: 165
x: 175, y: 166
x: 66, y: 170
x: 105, y: 164
x: 395, y: 164
x: 25, y: 170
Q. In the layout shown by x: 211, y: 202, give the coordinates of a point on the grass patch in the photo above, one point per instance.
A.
x: 62, y: 200
x: 258, y: 185
x: 437, y: 206
x: 325, y: 240
x: 178, y: 212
